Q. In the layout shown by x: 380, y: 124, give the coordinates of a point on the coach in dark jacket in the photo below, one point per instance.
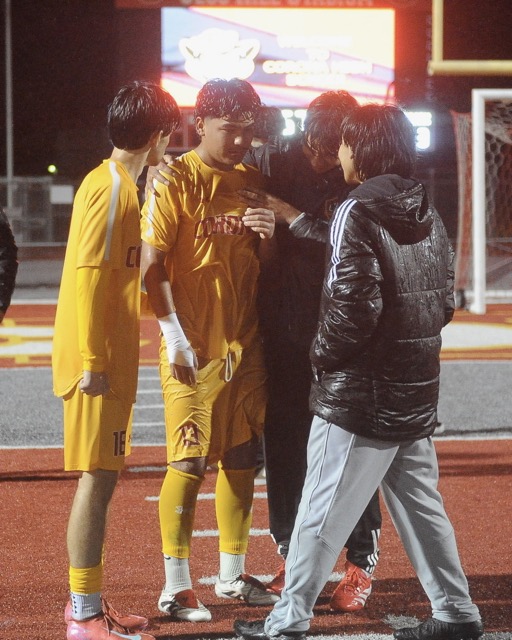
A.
x: 305, y: 184
x: 387, y: 294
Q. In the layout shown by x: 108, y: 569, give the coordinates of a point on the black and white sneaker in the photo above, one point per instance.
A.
x: 246, y: 588
x: 183, y: 606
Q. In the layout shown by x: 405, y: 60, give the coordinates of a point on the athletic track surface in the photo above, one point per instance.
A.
x: 476, y: 482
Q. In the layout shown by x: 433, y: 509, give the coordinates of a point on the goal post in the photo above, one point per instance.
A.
x: 484, y: 169
x: 438, y: 65
x: 478, y: 199
x: 484, y: 159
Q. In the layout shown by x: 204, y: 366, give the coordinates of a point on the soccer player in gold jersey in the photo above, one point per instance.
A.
x: 200, y: 265
x: 96, y: 344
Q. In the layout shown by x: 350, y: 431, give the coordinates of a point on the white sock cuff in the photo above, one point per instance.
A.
x: 231, y: 566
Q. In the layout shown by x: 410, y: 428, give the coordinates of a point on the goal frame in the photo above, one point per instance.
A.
x: 479, y: 231
x: 438, y: 65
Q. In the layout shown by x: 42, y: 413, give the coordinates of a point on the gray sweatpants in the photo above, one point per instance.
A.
x: 344, y: 471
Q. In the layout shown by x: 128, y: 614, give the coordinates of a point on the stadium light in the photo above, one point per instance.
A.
x: 422, y: 122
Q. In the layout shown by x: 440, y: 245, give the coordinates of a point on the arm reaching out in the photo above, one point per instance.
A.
x: 257, y: 198
x: 302, y: 224
x: 158, y: 173
x: 261, y: 221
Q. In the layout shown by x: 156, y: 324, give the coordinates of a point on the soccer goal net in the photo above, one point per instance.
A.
x: 483, y: 268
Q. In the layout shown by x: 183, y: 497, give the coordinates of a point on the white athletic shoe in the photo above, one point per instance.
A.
x: 183, y: 606
x: 246, y: 588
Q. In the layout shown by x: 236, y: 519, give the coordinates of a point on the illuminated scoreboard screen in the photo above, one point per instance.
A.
x: 288, y: 55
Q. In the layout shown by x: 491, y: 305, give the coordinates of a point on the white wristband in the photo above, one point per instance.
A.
x: 179, y: 350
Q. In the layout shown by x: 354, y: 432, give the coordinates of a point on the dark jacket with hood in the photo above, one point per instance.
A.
x: 8, y: 262
x: 387, y: 294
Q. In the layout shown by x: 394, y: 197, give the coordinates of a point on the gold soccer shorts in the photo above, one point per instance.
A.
x: 97, y: 432
x: 219, y: 413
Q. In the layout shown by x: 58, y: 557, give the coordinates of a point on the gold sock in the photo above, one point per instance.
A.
x: 177, y: 506
x: 87, y: 580
x: 233, y: 505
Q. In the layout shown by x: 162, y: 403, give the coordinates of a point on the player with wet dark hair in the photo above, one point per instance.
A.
x: 200, y: 263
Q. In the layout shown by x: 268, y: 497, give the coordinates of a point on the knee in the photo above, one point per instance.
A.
x: 98, y: 484
x: 244, y: 456
x: 192, y: 466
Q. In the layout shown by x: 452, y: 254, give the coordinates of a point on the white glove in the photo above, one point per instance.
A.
x: 179, y: 350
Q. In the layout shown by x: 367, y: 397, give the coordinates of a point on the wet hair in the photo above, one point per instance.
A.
x: 382, y: 140
x: 323, y: 120
x: 138, y: 111
x: 219, y: 98
x: 270, y: 122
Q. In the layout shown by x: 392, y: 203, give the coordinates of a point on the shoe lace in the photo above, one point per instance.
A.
x: 108, y: 608
x: 112, y: 624
x: 351, y: 580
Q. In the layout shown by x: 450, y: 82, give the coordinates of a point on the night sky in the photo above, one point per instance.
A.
x: 70, y: 57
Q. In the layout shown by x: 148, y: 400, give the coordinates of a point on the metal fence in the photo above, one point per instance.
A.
x: 41, y: 208
x: 38, y: 209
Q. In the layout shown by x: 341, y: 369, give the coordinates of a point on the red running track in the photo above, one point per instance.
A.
x: 476, y: 481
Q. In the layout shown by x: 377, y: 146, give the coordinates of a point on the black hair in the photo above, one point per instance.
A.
x: 219, y: 98
x: 382, y: 140
x: 138, y: 111
x: 270, y: 122
x: 323, y: 120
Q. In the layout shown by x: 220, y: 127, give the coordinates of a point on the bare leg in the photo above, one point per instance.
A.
x: 88, y: 517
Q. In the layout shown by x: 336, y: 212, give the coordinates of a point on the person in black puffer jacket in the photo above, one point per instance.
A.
x: 8, y: 264
x: 376, y: 354
x: 387, y: 293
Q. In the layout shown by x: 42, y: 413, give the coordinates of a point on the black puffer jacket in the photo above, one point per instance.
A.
x: 387, y: 294
x: 8, y: 262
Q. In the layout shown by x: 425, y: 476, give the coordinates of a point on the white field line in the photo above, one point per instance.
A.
x: 488, y: 436
x: 140, y: 407
x: 261, y: 495
x: 142, y: 392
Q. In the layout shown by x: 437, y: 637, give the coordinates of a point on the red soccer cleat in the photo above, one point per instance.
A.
x: 276, y: 585
x: 353, y: 591
x: 128, y: 621
x: 102, y: 628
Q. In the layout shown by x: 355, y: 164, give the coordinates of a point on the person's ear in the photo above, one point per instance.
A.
x: 155, y: 138
x: 200, y: 126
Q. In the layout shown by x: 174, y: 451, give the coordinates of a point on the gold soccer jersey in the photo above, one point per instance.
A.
x: 100, y: 332
x: 212, y: 257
